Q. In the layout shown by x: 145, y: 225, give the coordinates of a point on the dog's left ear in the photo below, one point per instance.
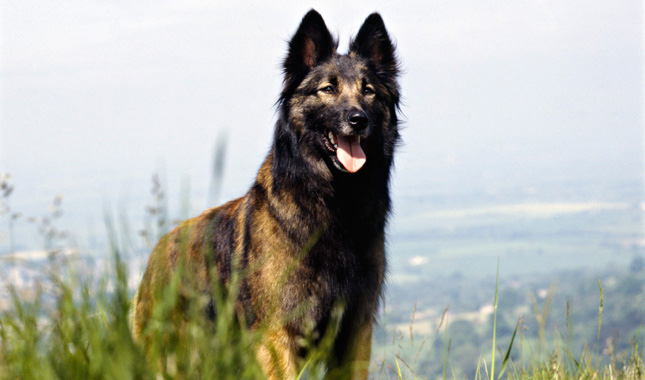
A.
x: 310, y: 45
x: 373, y: 43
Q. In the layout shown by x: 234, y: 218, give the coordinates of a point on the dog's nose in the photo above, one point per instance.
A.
x: 358, y: 120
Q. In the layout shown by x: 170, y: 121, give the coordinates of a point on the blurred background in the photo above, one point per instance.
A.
x: 522, y: 140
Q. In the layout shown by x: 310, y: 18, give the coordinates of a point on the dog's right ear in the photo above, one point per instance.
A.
x: 311, y: 45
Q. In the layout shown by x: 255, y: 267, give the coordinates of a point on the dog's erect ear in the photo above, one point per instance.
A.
x: 311, y: 45
x: 373, y: 43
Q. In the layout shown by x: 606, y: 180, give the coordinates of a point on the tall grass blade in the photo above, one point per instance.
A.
x: 477, y: 371
x: 101, y: 310
x: 599, y: 319
x: 219, y: 161
x: 600, y: 308
x: 304, y: 369
x: 398, y: 369
x: 446, y: 350
x: 508, y: 352
x: 570, y: 356
x: 414, y: 312
x: 407, y: 366
x: 492, y: 364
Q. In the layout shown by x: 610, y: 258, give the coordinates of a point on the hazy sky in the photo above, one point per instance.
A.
x: 97, y: 95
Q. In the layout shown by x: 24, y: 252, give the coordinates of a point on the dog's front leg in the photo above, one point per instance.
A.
x: 277, y: 355
x: 360, y: 349
x: 352, y: 358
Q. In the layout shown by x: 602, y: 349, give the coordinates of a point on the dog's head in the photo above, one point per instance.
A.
x: 341, y: 109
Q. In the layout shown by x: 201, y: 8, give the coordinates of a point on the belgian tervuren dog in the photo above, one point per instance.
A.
x: 311, y: 230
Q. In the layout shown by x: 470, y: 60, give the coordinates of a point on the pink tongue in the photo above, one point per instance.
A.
x: 350, y: 153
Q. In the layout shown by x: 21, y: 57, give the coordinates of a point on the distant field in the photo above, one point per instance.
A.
x: 526, y: 237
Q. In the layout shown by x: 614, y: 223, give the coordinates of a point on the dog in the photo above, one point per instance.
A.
x: 310, y: 232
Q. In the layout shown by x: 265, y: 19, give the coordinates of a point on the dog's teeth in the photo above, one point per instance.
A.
x: 332, y: 139
x: 359, y: 139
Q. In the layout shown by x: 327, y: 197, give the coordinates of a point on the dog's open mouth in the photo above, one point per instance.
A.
x: 348, y: 150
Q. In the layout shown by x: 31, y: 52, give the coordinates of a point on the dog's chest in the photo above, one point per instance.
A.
x: 335, y: 274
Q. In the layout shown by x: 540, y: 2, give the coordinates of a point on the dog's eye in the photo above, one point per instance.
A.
x: 368, y: 91
x: 328, y: 90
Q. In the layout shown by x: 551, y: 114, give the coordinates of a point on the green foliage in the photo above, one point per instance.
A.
x: 544, y: 353
x: 75, y: 329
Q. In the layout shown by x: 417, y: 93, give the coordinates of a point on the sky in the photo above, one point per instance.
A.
x: 95, y: 96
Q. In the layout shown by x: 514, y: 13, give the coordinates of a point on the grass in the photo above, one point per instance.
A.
x: 71, y: 328
x: 532, y: 361
x: 74, y: 329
